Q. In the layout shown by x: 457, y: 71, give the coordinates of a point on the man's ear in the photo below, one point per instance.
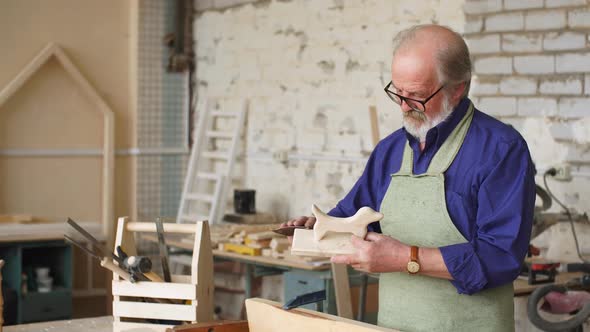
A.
x: 460, y: 88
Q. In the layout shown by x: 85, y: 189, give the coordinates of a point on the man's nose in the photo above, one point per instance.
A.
x: 404, y: 106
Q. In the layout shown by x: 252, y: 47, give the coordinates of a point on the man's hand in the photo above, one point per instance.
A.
x: 308, y: 222
x: 377, y: 253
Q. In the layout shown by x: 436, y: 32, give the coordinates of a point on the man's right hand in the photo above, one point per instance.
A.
x: 308, y: 222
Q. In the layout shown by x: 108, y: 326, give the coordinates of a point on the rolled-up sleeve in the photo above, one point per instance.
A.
x: 506, y: 199
x: 363, y: 193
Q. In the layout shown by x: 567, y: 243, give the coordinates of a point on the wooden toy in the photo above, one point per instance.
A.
x: 331, y: 235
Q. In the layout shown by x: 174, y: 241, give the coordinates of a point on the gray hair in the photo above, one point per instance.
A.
x: 454, y: 63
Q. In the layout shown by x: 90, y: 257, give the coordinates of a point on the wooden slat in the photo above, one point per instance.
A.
x: 155, y: 310
x: 168, y: 227
x: 216, y: 155
x: 223, y: 114
x: 219, y: 134
x: 143, y: 327
x: 200, y: 197
x: 160, y: 290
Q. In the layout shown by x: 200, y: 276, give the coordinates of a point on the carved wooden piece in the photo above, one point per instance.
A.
x: 356, y: 224
x: 331, y: 235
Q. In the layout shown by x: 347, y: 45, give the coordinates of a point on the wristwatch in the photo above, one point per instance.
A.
x: 413, y: 266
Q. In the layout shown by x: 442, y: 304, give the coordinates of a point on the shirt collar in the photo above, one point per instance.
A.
x: 440, y: 132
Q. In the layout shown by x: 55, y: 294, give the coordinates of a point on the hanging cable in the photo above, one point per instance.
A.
x: 552, y: 172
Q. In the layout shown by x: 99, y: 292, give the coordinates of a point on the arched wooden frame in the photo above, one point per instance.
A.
x: 108, y: 149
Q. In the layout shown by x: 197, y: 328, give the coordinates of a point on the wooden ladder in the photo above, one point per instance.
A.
x: 206, y: 182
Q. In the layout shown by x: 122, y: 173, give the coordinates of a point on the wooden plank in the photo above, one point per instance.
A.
x: 304, y: 244
x: 202, y: 272
x: 129, y: 309
x: 136, y: 327
x: 218, y: 326
x: 268, y: 316
x: 160, y: 290
x: 342, y: 290
x: 374, y: 125
x: 135, y: 226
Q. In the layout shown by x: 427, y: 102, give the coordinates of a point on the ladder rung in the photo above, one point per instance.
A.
x: 200, y: 197
x: 225, y: 114
x: 194, y: 218
x: 219, y: 134
x: 215, y: 155
x: 207, y: 176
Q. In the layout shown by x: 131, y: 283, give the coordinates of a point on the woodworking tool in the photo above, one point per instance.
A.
x: 104, y: 261
x: 163, y: 250
x: 305, y: 299
x: 288, y: 230
x: 140, y: 267
x: 93, y: 241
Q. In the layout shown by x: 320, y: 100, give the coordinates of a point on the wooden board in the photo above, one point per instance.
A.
x: 268, y: 316
x: 217, y: 326
x: 332, y: 244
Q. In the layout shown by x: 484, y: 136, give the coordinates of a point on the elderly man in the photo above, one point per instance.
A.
x: 456, y: 187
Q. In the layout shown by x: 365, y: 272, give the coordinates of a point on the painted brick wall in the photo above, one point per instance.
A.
x: 532, y: 67
x: 310, y: 70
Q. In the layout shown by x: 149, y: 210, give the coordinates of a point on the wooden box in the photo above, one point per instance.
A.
x: 192, y: 294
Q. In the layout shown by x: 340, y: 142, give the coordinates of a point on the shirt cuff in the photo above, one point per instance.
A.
x: 465, y: 268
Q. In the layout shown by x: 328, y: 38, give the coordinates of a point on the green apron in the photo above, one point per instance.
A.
x: 416, y: 214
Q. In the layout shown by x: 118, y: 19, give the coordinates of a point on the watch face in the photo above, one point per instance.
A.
x: 413, y: 267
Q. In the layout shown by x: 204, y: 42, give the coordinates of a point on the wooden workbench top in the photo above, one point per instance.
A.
x: 95, y: 324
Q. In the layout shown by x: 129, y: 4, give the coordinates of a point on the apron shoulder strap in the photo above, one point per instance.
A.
x: 447, y: 152
x: 407, y: 161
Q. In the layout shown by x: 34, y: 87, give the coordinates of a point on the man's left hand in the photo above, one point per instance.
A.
x: 376, y: 253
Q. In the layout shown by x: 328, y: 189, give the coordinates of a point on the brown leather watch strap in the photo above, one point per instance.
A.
x: 414, y: 253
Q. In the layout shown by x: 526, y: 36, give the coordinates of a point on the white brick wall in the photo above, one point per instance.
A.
x: 482, y: 6
x: 574, y: 107
x: 504, y: 22
x: 545, y: 19
x: 493, y: 65
x: 572, y: 63
x: 536, y: 106
x: 569, y: 86
x: 587, y: 84
x: 564, y: 41
x: 522, y: 42
x: 518, y: 86
x: 484, y: 44
x: 579, y: 18
x: 474, y: 25
x: 534, y: 64
x: 522, y: 4
x: 498, y: 106
x: 563, y: 3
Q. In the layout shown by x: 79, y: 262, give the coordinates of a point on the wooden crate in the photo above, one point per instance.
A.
x: 192, y: 294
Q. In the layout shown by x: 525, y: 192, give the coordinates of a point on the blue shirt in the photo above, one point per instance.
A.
x: 490, y: 195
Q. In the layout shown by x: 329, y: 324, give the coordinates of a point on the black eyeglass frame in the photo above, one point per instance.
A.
x: 405, y: 99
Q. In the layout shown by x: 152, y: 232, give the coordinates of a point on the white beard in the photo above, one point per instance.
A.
x: 418, y: 124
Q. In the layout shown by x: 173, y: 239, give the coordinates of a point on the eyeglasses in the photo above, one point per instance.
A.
x: 416, y: 105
